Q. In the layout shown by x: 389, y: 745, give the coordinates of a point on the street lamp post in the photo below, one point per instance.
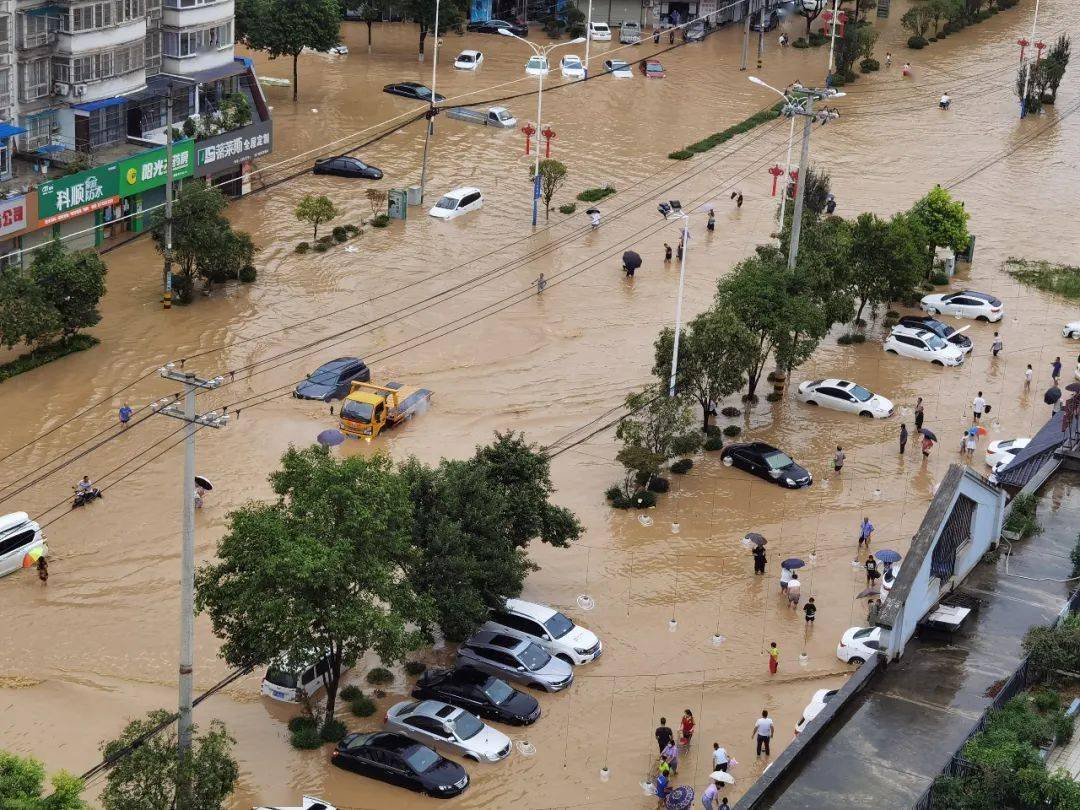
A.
x: 588, y: 38
x: 431, y: 106
x: 542, y: 52
x: 678, y: 302
x: 1027, y: 72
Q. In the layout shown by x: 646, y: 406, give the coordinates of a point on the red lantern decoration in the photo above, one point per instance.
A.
x: 775, y: 171
x: 1023, y: 43
x: 1039, y: 47
x: 549, y: 136
x: 794, y: 182
x: 529, y: 131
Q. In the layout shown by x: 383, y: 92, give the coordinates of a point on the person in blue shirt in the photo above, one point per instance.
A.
x: 125, y: 415
x: 663, y: 788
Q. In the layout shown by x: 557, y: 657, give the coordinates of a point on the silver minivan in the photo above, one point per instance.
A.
x: 290, y: 684
x: 515, y: 658
x: 629, y: 33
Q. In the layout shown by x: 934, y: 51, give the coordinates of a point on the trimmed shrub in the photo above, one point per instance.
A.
x: 928, y: 286
x: 869, y: 65
x: 732, y: 431
x: 892, y: 313
x: 643, y: 500
x: 838, y: 80
x: 1064, y: 731
x: 381, y: 221
x: 682, y: 466
x: 844, y: 340
x: 333, y: 731
x: 380, y: 676
x: 714, y: 443
x: 303, y: 247
x: 321, y: 247
x: 362, y: 706
x: 932, y: 39
x: 800, y: 43
x: 888, y: 323
x: 613, y: 493
x: 659, y: 485
x: 730, y: 411
x: 353, y: 230
x: 415, y: 668
x: 1046, y: 700
x: 300, y: 722
x: 339, y: 233
x: 858, y: 337
x: 712, y: 430
x: 680, y: 154
x: 349, y: 692
x: 306, y: 739
x: 916, y: 42
x: 596, y: 194
x: 817, y: 39
x: 774, y: 396
x: 247, y: 273
x: 939, y: 277
x: 569, y: 208
x: 942, y: 34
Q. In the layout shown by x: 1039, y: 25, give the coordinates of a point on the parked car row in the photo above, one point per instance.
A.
x: 522, y: 642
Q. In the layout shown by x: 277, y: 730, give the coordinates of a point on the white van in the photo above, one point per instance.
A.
x: 282, y: 682
x: 18, y: 536
x: 599, y: 32
x: 457, y: 202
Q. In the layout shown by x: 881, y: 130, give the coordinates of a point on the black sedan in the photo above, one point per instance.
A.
x: 400, y: 761
x: 413, y: 90
x: 345, y: 166
x: 942, y: 330
x: 480, y: 693
x: 765, y: 461
x: 493, y: 26
x: 333, y: 380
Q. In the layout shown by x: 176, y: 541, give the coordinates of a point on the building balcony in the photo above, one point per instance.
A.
x: 26, y: 42
x: 75, y: 42
x: 198, y: 16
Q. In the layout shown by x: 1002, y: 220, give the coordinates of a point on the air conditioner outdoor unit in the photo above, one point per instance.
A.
x: 61, y: 88
x: 80, y: 90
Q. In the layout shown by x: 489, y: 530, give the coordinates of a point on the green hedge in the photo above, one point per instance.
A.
x: 381, y: 221
x: 569, y: 208
x: 682, y: 466
x: 46, y: 354
x: 717, y: 138
x: 916, y: 42
x: 596, y: 194
x: 380, y: 676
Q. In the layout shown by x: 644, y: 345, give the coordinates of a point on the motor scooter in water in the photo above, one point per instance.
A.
x: 84, y: 496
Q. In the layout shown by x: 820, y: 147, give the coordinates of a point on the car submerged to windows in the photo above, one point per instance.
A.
x: 766, y: 461
x: 441, y: 725
x: 346, y: 166
x: 517, y: 659
x: 398, y: 760
x: 455, y: 203
x: 1001, y: 452
x: 572, y: 67
x: 413, y: 90
x: 842, y: 395
x: 942, y: 330
x: 817, y: 703
x: 537, y: 66
x: 652, y: 69
x: 965, y: 304
x: 333, y: 379
x: 482, y: 694
x: 618, y: 68
x: 469, y: 60
x: 919, y: 344
x: 19, y: 536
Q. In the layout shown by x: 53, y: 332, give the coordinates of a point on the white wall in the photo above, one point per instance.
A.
x: 199, y: 16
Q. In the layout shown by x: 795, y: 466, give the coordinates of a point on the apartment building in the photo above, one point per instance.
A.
x: 84, y: 86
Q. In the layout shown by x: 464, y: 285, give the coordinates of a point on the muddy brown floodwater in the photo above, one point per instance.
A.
x: 98, y: 645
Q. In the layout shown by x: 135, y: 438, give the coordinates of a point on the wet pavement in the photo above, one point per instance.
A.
x: 896, y: 735
x: 450, y: 306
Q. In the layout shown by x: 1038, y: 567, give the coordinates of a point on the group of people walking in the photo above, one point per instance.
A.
x: 669, y: 750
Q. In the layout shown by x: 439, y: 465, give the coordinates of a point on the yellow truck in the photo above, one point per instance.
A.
x: 369, y: 408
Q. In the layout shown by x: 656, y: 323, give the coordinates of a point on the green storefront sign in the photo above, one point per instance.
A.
x: 148, y: 170
x: 77, y: 194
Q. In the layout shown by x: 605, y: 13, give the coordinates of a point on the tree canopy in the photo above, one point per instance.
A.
x: 315, y: 209
x: 22, y: 786
x: 944, y: 219
x: 552, y: 178
x: 452, y: 17
x: 149, y: 776
x: 286, y: 27
x: 73, y: 282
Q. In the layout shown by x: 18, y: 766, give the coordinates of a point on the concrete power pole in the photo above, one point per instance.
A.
x: 166, y: 297
x: 192, y: 385
x: 800, y: 192
x: 746, y: 34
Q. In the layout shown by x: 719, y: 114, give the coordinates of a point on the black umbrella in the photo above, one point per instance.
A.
x: 593, y: 211
x: 928, y: 433
x: 203, y: 483
x: 1052, y: 395
x: 1074, y: 387
x: 631, y: 259
x: 791, y: 563
x: 755, y: 538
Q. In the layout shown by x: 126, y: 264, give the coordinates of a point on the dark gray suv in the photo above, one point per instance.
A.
x: 516, y: 659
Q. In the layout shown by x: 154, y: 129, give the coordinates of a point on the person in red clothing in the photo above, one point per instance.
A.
x: 687, y: 725
x: 774, y: 658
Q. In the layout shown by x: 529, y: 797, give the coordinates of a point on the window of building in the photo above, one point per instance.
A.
x: 954, y: 536
x: 102, y: 65
x: 35, y: 79
x: 37, y: 29
x: 108, y: 126
x: 182, y: 44
x: 189, y: 3
x: 5, y: 31
x: 93, y: 16
x: 38, y: 132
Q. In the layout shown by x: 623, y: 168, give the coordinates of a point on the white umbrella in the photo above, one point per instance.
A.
x: 722, y: 776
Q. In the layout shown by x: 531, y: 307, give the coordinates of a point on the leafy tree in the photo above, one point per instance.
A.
x: 1057, y: 60
x: 26, y: 314
x: 656, y: 429
x: 286, y: 27
x: 944, y: 220
x: 315, y: 210
x: 370, y: 14
x: 22, y: 783
x: 377, y: 199
x: 916, y: 20
x: 473, y: 522
x: 1054, y: 649
x: 149, y: 776
x: 938, y: 10
x: 816, y: 195
x: 1035, y: 86
x: 714, y: 352
x: 811, y: 10
x: 321, y: 572
x: 236, y: 250
x: 552, y: 178
x: 452, y: 17
x: 72, y: 282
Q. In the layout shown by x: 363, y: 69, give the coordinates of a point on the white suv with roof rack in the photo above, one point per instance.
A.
x: 547, y: 627
x: 921, y: 344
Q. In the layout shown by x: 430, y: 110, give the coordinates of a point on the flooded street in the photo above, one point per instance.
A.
x: 451, y: 306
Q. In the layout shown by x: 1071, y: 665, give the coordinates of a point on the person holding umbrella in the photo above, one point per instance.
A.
x: 758, y: 551
x: 594, y: 217
x: 631, y: 261
x: 920, y: 414
x: 928, y: 439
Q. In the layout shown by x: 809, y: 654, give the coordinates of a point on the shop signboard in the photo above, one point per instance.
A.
x: 148, y: 170
x: 77, y: 194
x: 222, y: 152
x: 12, y: 214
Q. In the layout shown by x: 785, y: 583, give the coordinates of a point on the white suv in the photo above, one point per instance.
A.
x: 921, y: 344
x: 548, y: 628
x: 859, y: 644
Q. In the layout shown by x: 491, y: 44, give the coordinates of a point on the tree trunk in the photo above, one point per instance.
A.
x: 423, y: 36
x: 332, y: 686
x: 862, y: 305
x: 295, y: 78
x: 705, y: 416
x: 369, y: 37
x: 316, y: 234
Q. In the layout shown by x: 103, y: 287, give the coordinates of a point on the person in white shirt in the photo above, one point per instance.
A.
x: 978, y: 405
x: 945, y: 101
x: 794, y: 592
x: 763, y: 730
x: 720, y: 758
x: 785, y: 578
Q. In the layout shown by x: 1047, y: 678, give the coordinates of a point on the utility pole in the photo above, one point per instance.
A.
x: 832, y: 38
x: 166, y: 297
x: 588, y: 41
x: 761, y: 37
x: 1027, y: 71
x: 431, y: 106
x: 746, y: 34
x: 678, y: 303
x: 192, y: 385
x: 800, y: 190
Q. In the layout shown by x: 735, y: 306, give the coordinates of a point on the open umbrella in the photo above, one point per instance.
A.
x: 865, y: 592
x: 979, y: 431
x: 680, y: 798
x: 887, y: 555
x: 723, y: 777
x: 928, y: 433
x: 31, y: 557
x: 631, y: 259
x: 330, y: 438
x: 791, y: 563
x: 203, y: 483
x: 755, y: 538
x: 593, y: 211
x: 1074, y: 387
x: 1052, y: 395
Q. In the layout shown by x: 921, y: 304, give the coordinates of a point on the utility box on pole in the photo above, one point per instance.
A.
x: 416, y: 195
